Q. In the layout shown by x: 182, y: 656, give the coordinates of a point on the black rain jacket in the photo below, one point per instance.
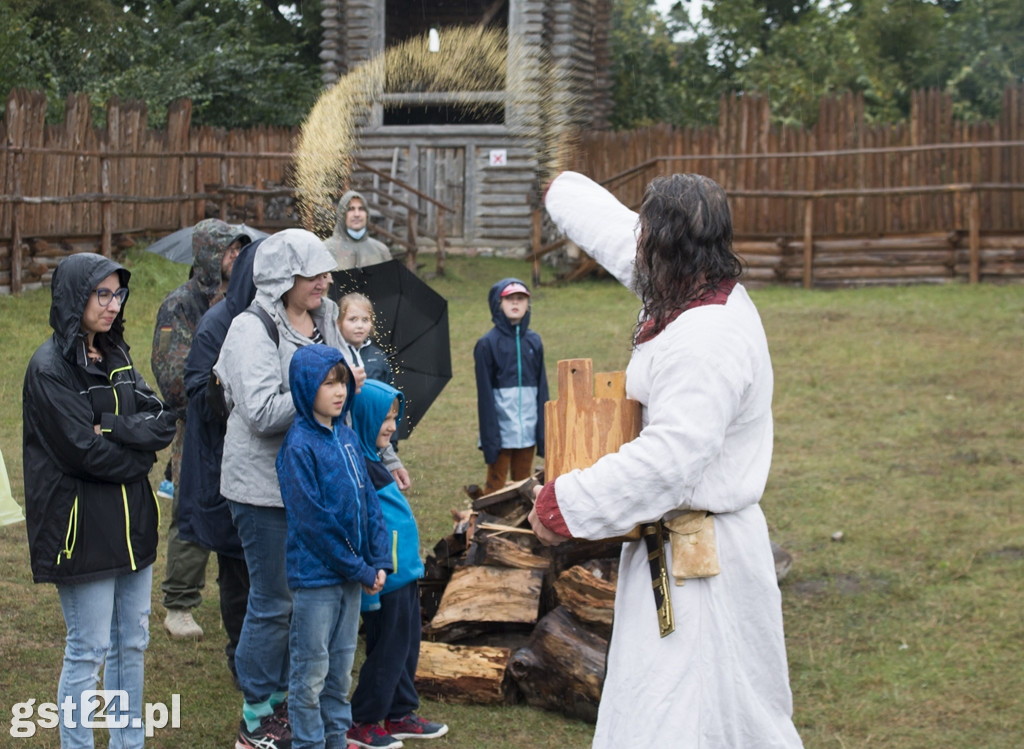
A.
x: 90, y: 511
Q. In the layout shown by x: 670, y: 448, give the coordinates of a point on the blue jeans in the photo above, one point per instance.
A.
x: 325, y: 625
x: 108, y: 626
x: 261, y: 657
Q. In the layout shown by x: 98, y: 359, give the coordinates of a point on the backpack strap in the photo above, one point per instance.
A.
x: 268, y: 322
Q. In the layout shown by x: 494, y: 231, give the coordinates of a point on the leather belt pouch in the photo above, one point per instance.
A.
x: 694, y: 552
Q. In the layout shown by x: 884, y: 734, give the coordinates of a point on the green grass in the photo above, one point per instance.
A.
x: 899, y: 422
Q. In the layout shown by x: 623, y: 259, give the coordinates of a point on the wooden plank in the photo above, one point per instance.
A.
x: 591, y: 417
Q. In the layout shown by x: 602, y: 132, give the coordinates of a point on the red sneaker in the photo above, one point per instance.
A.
x: 372, y: 736
x: 413, y: 726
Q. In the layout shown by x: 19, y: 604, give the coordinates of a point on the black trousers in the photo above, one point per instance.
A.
x: 386, y: 688
x: 233, y: 582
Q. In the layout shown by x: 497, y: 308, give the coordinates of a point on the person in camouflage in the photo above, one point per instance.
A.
x: 215, y: 246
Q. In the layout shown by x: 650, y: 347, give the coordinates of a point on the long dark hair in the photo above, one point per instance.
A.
x: 685, y: 248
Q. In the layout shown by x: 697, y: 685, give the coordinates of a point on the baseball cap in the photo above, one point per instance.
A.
x: 515, y: 288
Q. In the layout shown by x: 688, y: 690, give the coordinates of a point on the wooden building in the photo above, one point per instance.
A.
x: 487, y: 164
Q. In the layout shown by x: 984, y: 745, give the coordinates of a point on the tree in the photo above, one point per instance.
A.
x: 241, y: 62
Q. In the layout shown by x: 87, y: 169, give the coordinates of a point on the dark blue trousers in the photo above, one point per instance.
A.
x: 386, y: 688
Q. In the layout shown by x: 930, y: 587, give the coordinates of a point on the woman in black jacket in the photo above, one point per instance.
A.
x: 92, y: 427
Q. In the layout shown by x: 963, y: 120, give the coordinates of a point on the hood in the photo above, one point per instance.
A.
x: 308, y: 368
x: 241, y: 288
x: 282, y: 256
x: 369, y: 408
x: 210, y: 238
x: 497, y: 316
x: 339, y: 225
x: 72, y: 282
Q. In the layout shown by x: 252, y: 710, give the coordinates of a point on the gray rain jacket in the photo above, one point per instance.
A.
x: 254, y: 371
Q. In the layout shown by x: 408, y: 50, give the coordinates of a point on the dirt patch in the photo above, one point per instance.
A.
x: 843, y: 584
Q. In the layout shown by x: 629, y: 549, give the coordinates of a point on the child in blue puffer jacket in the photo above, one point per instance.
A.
x: 391, y: 621
x: 336, y: 542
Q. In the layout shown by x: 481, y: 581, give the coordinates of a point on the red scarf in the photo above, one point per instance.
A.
x: 718, y: 296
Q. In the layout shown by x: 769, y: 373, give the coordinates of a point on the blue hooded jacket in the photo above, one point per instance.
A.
x: 511, y: 384
x: 369, y: 409
x: 336, y: 531
x: 204, y: 517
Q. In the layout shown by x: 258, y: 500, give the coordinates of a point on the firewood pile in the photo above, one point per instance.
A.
x: 506, y: 618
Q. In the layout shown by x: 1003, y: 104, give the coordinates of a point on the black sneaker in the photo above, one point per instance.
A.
x: 413, y: 726
x: 271, y: 734
x: 281, y: 714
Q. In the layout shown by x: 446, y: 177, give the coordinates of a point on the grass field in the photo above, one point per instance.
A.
x: 899, y: 424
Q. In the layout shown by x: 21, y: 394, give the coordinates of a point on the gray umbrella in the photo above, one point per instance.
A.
x: 177, y: 246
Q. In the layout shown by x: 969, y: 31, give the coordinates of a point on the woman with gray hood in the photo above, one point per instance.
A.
x: 292, y: 270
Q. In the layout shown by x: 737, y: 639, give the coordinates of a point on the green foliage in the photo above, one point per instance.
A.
x: 795, y: 53
x: 241, y: 62
x: 655, y: 79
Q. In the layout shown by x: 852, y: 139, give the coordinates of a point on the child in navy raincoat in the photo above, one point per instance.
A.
x: 511, y: 387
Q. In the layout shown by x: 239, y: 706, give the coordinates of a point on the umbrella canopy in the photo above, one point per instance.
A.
x: 412, y: 329
x: 177, y: 246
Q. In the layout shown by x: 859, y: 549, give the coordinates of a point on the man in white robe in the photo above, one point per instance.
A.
x: 705, y: 381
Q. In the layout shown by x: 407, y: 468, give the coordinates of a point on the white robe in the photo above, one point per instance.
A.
x: 705, y: 383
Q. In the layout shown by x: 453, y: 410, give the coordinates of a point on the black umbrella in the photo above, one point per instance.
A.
x: 177, y: 246
x: 412, y: 329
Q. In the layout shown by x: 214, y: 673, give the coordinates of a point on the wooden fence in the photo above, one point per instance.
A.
x: 846, y: 202
x: 834, y: 204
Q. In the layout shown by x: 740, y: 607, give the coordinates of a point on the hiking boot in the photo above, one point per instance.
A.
x: 166, y: 490
x: 271, y: 734
x: 181, y: 626
x: 372, y: 736
x: 413, y: 726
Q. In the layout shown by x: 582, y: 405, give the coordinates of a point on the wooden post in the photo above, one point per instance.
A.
x: 16, y: 216
x: 808, y: 243
x: 183, y: 181
x: 535, y: 230
x: 223, y: 184
x: 440, y: 241
x: 105, y: 207
x: 411, y: 217
x: 974, y: 229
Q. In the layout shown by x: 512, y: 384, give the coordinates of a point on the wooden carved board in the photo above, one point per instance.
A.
x: 592, y: 417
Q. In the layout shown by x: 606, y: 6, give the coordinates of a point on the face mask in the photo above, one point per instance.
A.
x: 356, y: 234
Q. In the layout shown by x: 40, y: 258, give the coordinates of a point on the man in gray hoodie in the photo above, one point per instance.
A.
x: 351, y: 245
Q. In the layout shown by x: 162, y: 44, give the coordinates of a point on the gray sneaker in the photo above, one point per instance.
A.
x: 181, y: 626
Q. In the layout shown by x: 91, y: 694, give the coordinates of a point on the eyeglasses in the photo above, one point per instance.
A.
x: 106, y: 296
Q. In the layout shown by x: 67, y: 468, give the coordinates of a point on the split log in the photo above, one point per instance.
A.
x: 490, y: 548
x: 588, y: 593
x: 482, y: 599
x: 562, y: 667
x: 513, y: 499
x: 467, y: 675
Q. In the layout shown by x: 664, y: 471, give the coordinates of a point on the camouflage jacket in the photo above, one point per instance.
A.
x: 179, y: 315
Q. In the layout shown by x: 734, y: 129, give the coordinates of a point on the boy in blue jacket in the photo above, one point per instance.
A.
x: 511, y: 386
x: 391, y: 621
x: 336, y: 543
